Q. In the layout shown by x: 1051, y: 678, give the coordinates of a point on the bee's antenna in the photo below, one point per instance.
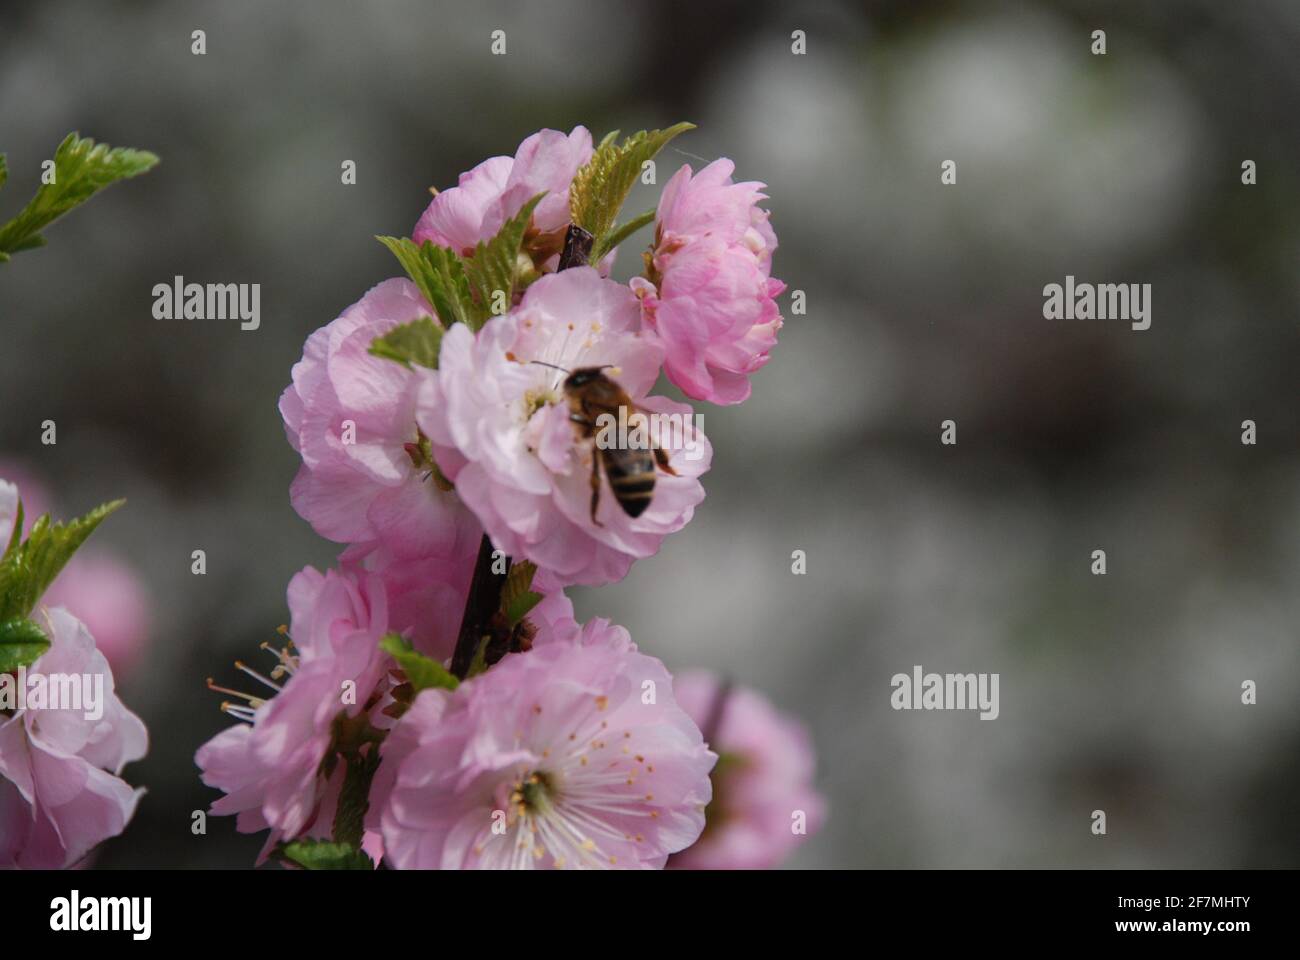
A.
x: 543, y: 363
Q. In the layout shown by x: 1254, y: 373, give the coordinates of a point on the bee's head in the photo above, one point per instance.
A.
x: 585, y: 375
x: 580, y: 377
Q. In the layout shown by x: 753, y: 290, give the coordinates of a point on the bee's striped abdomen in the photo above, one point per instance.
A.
x: 632, y: 478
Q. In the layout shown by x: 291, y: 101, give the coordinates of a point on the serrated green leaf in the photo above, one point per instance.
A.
x: 624, y: 231
x: 598, y: 191
x: 440, y: 275
x: 28, y: 569
x: 493, y: 270
x: 422, y: 672
x: 324, y: 855
x: 517, y: 597
x: 21, y: 643
x: 452, y: 290
x: 416, y: 342
x: 81, y: 169
x: 16, y: 534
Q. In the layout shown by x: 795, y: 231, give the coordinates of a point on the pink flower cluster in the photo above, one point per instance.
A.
x: 511, y: 734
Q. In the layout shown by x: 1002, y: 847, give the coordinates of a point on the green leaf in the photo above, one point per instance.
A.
x: 28, y: 569
x: 422, y: 672
x: 493, y: 270
x: 16, y: 534
x: 516, y: 596
x: 323, y: 855
x: 416, y: 342
x: 611, y: 241
x: 452, y: 291
x: 464, y: 289
x: 4, y: 170
x: 81, y: 169
x: 440, y: 275
x: 21, y: 643
x: 598, y: 191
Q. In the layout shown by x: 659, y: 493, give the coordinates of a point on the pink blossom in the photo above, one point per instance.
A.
x: 711, y: 204
x: 269, y: 766
x: 97, y: 585
x: 351, y: 416
x: 555, y: 623
x: 426, y: 597
x: 555, y: 620
x: 494, y: 191
x: 578, y: 755
x: 500, y: 429
x: 709, y: 296
x: 60, y: 789
x: 762, y: 783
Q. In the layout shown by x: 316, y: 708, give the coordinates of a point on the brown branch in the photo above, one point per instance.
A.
x: 483, y: 601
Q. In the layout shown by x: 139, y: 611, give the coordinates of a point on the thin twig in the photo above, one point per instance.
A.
x: 484, y: 600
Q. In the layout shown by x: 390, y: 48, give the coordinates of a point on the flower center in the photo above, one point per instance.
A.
x: 533, y: 794
x: 536, y: 398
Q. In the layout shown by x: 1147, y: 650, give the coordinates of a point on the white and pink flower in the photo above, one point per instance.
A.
x: 565, y: 756
x: 500, y: 429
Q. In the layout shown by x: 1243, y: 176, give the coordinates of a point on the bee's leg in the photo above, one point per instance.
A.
x: 661, y: 458
x: 595, y: 486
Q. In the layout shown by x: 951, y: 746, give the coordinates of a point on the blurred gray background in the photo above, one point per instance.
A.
x: 924, y: 303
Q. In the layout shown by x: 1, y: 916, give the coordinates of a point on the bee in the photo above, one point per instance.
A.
x: 631, y: 471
